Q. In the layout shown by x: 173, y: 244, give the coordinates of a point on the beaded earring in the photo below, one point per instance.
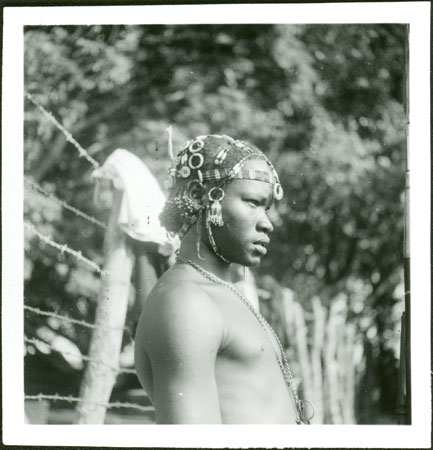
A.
x: 214, y: 212
x: 213, y: 243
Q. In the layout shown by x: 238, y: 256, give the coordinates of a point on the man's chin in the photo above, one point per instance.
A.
x: 252, y: 261
x: 245, y: 258
x: 246, y: 261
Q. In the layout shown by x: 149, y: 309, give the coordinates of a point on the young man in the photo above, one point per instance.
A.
x: 203, y: 353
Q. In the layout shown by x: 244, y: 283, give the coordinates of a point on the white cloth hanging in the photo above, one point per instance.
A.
x: 142, y: 200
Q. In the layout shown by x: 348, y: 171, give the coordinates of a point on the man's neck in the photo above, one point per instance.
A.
x: 208, y: 260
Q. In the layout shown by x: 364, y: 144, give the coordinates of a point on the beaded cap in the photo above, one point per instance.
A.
x: 208, y: 160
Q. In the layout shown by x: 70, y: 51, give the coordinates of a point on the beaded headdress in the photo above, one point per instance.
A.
x: 209, y: 160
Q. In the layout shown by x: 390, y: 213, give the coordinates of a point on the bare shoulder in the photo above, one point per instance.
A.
x: 179, y: 316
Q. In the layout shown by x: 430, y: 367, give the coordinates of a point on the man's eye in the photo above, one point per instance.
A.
x: 253, y: 202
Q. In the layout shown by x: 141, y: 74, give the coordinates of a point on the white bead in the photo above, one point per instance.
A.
x: 185, y: 171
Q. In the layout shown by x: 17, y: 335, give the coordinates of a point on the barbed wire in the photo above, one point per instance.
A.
x: 69, y: 319
x: 58, y: 316
x: 65, y: 205
x: 63, y: 248
x: 83, y: 153
x: 36, y: 341
x: 71, y: 399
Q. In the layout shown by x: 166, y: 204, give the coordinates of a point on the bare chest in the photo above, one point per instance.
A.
x: 247, y: 339
x: 251, y: 386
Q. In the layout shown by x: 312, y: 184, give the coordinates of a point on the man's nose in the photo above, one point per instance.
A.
x: 264, y: 224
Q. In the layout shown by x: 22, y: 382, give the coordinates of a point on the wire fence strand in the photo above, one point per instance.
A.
x: 36, y: 341
x: 36, y: 187
x: 69, y: 319
x: 82, y: 152
x: 71, y: 399
x: 58, y: 316
x: 63, y: 248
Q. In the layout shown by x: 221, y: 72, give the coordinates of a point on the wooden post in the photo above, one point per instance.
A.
x: 331, y: 364
x: 111, y: 311
x: 316, y: 360
x: 345, y: 350
x: 406, y: 250
x: 302, y: 351
x: 288, y: 314
x: 401, y: 393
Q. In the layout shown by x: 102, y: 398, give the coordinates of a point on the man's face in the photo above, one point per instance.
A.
x: 245, y: 234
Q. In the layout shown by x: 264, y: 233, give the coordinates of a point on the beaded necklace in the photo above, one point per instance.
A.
x: 300, y: 405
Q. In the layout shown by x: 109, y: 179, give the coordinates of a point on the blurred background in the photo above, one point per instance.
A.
x: 324, y: 102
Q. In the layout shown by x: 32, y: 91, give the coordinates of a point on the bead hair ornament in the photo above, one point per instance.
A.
x: 196, y: 146
x: 183, y: 207
x: 209, y: 158
x: 198, y: 158
x: 221, y: 156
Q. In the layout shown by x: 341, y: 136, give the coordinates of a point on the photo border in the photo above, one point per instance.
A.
x: 15, y: 431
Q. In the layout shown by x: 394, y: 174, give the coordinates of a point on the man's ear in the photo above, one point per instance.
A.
x: 197, y: 191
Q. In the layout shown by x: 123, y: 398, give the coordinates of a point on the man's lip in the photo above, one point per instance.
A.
x: 260, y: 247
x: 262, y: 242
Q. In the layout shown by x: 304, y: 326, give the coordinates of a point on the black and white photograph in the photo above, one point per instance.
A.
x: 217, y: 215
